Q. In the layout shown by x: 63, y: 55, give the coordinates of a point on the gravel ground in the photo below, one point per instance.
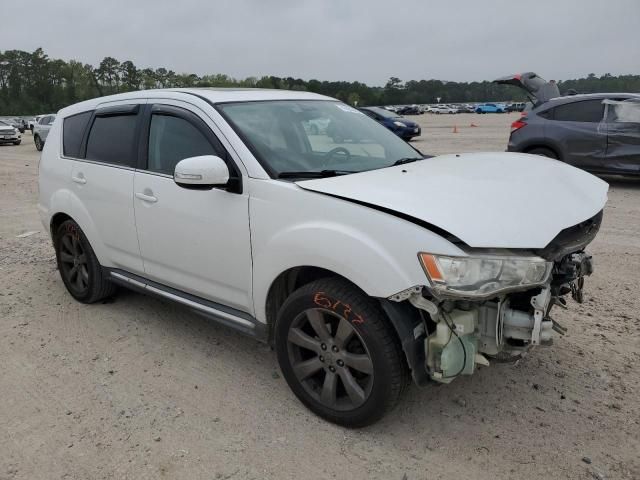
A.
x: 137, y: 388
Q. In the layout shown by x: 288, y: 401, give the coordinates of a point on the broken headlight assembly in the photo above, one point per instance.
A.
x: 481, y: 276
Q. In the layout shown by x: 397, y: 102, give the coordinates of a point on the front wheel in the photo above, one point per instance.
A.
x: 339, y: 354
x: 17, y: 143
x: 39, y: 143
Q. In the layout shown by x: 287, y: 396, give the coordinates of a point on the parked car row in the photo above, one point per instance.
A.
x: 460, y: 108
x: 16, y: 122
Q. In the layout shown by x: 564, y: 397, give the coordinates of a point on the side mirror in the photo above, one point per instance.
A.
x: 206, y: 171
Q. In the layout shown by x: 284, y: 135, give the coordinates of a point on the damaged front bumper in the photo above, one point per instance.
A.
x: 450, y: 336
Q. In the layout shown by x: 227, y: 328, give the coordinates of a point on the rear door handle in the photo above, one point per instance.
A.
x: 146, y: 198
x: 79, y: 179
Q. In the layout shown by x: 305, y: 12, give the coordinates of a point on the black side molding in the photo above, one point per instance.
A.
x: 222, y: 314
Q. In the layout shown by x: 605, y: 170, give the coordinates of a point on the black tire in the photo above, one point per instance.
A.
x: 358, y: 340
x: 17, y: 143
x: 39, y: 143
x: 543, y: 152
x: 88, y: 284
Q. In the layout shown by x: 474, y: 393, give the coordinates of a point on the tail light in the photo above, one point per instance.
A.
x: 518, y: 124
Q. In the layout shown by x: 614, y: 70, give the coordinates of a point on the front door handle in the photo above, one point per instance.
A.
x: 79, y: 179
x: 146, y: 198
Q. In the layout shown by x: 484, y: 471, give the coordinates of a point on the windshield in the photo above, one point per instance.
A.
x: 314, y: 136
x: 384, y: 112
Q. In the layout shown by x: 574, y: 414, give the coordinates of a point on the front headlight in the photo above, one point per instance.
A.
x: 483, y: 275
x: 400, y: 124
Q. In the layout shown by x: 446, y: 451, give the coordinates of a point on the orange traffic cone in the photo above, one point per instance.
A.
x: 455, y: 129
x: 473, y: 125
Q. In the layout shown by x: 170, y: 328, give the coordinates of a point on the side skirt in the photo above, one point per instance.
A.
x: 222, y: 314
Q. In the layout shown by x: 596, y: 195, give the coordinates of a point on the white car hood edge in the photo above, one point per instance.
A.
x: 487, y: 200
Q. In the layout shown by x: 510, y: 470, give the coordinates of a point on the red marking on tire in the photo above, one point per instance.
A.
x: 346, y: 311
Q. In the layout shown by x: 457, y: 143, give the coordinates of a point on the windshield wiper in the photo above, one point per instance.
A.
x: 320, y: 174
x: 402, y: 161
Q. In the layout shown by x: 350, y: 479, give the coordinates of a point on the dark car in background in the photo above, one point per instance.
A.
x: 465, y: 108
x: 596, y: 132
x: 396, y: 123
x: 516, y: 107
x: 410, y: 110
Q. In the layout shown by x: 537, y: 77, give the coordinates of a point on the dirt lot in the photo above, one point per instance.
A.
x: 137, y: 388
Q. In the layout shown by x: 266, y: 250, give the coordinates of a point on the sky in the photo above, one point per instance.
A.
x: 363, y: 40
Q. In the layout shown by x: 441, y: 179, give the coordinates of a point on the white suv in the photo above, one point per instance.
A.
x: 363, y: 262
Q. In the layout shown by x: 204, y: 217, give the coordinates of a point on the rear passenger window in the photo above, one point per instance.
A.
x: 172, y: 139
x: 72, y: 132
x: 112, y: 140
x: 585, y: 111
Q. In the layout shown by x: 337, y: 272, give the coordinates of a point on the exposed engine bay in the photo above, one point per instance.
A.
x: 458, y: 333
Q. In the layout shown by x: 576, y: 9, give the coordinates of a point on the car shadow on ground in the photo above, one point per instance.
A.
x: 621, y: 182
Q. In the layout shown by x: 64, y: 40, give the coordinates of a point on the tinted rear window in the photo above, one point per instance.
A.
x: 112, y: 140
x: 72, y: 132
x: 585, y: 111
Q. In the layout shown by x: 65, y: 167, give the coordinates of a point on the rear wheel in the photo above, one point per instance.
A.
x: 543, y: 152
x: 78, y: 265
x: 338, y: 353
x: 38, y: 142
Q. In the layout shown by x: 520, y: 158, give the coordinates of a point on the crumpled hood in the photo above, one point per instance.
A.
x: 489, y: 200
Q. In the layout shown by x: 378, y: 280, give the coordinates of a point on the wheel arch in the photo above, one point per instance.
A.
x: 287, y: 282
x: 540, y: 144
x: 401, y: 316
x: 74, y: 210
x: 56, y: 220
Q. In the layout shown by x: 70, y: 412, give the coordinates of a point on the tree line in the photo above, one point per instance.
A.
x: 32, y: 83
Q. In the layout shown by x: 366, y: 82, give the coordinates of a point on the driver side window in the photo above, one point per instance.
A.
x: 172, y: 139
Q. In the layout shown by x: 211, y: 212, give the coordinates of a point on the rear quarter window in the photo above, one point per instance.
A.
x: 585, y: 111
x: 72, y: 131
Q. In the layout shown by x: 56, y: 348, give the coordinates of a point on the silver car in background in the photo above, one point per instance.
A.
x: 9, y: 134
x: 41, y: 130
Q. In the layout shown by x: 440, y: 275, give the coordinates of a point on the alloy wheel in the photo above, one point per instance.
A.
x: 330, y: 359
x: 73, y: 261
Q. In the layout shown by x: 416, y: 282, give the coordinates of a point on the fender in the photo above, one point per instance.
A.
x: 293, y: 227
x: 81, y: 216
